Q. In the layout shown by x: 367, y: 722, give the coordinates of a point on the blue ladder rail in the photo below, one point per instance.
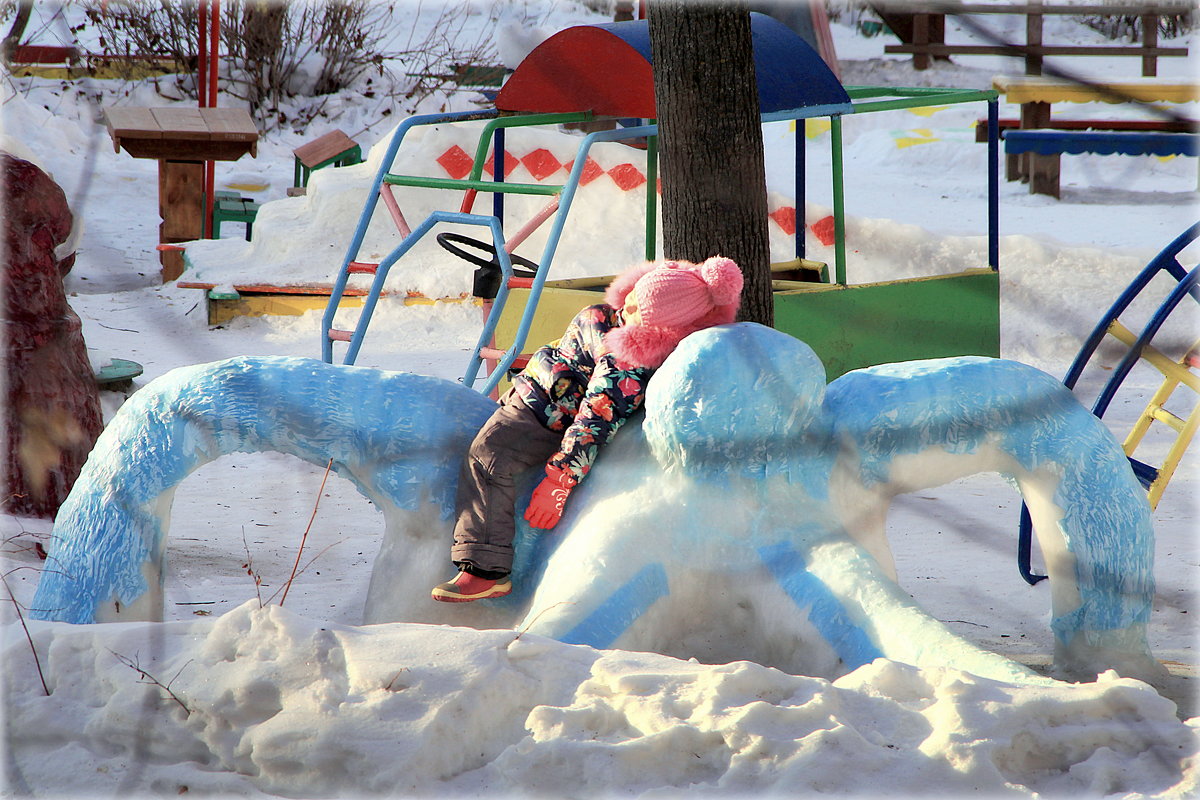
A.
x: 350, y: 264
x: 1166, y: 261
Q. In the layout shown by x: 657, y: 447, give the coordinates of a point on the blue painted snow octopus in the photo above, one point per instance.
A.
x: 741, y: 516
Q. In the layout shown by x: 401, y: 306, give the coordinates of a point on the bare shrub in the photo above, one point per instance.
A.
x: 1129, y: 26
x: 278, y: 50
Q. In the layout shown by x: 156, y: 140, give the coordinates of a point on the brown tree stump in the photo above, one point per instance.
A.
x: 52, y: 414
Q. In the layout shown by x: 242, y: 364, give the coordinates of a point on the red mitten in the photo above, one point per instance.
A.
x: 546, y: 505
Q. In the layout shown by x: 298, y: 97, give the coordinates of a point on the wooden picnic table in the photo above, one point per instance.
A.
x: 181, y: 139
x: 1037, y: 96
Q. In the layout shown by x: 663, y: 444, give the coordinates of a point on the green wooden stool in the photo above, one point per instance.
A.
x: 333, y: 149
x: 232, y: 207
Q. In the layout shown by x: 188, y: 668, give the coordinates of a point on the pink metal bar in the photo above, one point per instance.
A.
x: 340, y: 336
x: 389, y: 200
x: 361, y: 268
x: 532, y: 225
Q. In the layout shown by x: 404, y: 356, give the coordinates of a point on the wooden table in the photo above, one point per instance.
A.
x: 1036, y: 96
x: 181, y: 139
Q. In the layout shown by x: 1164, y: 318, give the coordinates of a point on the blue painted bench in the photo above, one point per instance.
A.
x: 1046, y: 148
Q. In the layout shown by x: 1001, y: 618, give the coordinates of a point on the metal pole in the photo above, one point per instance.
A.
x: 839, y: 202
x: 994, y: 184
x: 799, y: 187
x: 651, y: 197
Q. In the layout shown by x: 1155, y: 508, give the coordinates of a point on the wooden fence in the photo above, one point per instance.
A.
x: 926, y: 29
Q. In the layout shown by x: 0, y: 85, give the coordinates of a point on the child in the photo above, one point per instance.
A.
x: 571, y: 399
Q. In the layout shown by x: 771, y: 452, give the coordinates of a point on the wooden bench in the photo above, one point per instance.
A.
x: 333, y: 149
x: 1046, y: 148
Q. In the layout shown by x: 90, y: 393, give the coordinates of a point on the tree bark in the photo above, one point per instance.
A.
x: 13, y: 38
x: 714, y: 194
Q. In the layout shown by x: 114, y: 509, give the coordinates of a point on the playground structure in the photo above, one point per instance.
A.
x: 1175, y: 372
x: 848, y: 325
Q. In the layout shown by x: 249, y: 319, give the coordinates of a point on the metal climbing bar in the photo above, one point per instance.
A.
x: 475, y: 185
x: 510, y: 354
x: 1140, y: 348
x: 364, y: 219
x: 381, y: 188
x: 356, y: 337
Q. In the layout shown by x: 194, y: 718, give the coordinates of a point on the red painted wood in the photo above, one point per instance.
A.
x: 581, y: 69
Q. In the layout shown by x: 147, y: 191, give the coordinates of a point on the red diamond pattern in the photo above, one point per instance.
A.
x: 785, y: 217
x: 456, y: 162
x: 626, y: 176
x: 823, y: 230
x: 591, y: 170
x: 541, y: 164
x: 510, y: 163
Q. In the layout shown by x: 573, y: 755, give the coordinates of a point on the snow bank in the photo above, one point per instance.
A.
x: 262, y: 701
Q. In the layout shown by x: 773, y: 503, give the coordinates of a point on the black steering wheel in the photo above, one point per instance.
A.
x: 488, y: 274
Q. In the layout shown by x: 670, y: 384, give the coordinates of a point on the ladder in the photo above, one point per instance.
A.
x: 1174, y: 373
x: 558, y: 207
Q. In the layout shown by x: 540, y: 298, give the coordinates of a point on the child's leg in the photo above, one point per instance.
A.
x: 509, y: 443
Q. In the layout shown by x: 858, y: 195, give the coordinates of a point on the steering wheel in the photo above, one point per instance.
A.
x: 488, y: 274
x: 450, y: 242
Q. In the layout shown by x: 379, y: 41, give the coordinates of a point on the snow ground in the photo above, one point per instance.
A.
x: 266, y: 727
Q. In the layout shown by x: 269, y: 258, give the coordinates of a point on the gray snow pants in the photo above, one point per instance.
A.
x: 509, y: 443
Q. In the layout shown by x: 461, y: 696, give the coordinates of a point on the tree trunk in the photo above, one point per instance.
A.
x: 714, y: 194
x: 13, y: 38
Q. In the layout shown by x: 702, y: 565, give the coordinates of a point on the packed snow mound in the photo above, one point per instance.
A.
x: 269, y: 701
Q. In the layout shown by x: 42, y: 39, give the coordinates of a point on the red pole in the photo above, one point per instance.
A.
x: 214, y: 50
x: 202, y: 53
x: 206, y: 89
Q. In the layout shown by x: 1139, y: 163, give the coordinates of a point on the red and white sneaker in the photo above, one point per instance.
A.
x: 467, y: 587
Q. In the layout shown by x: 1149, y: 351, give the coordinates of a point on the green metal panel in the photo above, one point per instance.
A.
x: 849, y: 327
x: 857, y: 326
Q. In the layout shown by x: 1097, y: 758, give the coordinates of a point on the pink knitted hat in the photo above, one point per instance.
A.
x: 676, y: 294
x: 675, y: 299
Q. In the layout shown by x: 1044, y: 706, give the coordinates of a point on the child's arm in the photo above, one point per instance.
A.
x: 612, y: 397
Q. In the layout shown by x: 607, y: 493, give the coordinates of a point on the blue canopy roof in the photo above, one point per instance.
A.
x: 608, y: 69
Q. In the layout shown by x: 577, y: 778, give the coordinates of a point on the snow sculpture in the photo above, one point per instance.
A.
x: 396, y: 436
x: 742, y: 518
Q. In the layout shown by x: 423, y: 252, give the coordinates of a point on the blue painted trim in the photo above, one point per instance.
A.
x: 852, y: 644
x: 1167, y: 260
x: 1182, y: 289
x: 1105, y: 143
x: 825, y: 110
x: 613, y: 617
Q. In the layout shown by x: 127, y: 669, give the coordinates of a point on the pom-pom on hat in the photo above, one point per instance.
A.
x: 677, y: 294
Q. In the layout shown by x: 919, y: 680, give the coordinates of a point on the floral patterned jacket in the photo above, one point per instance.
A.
x: 575, y: 386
